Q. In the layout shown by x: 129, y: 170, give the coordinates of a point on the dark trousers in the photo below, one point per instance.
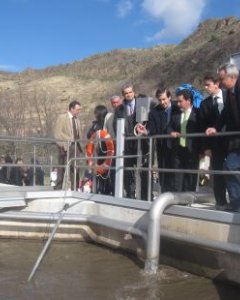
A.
x: 130, y: 180
x: 219, y: 181
x: 112, y: 177
x: 232, y: 163
x: 144, y: 178
x: 62, y: 160
x: 184, y: 159
x: 166, y: 161
x: 103, y: 184
x: 129, y: 177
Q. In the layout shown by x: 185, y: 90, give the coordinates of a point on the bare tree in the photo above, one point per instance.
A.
x: 43, y: 110
x: 27, y: 112
x: 13, y: 112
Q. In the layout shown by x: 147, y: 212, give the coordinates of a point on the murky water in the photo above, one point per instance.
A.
x: 84, y: 271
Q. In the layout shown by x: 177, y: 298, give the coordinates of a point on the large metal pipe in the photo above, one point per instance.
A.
x: 154, y: 226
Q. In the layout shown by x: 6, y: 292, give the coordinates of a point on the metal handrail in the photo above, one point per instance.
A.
x: 162, y: 136
x: 187, y: 135
x: 138, y: 168
x: 189, y: 171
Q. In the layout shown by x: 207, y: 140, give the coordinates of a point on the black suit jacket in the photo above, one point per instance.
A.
x: 192, y: 127
x: 158, y: 124
x: 209, y: 117
x: 230, y: 117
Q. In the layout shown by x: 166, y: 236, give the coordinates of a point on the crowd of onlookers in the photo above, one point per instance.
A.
x: 18, y: 174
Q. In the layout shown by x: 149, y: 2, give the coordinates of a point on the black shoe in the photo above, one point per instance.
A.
x: 221, y: 207
x: 57, y: 188
x: 231, y: 208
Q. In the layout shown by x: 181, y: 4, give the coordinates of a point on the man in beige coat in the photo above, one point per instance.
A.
x: 67, y: 134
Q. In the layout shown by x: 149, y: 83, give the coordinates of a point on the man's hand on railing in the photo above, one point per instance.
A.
x: 140, y: 129
x: 211, y: 131
x: 175, y: 134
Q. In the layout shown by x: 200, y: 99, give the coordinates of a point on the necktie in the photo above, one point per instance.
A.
x: 130, y: 109
x: 183, y: 141
x: 75, y: 131
x: 215, y: 104
x: 165, y: 124
x: 165, y: 116
x: 130, y: 118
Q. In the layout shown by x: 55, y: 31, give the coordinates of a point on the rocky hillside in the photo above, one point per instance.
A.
x: 94, y: 79
x: 207, y: 48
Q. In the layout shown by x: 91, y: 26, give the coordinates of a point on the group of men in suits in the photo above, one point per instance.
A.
x: 175, y: 118
x: 167, y: 117
x: 229, y: 120
x: 220, y: 111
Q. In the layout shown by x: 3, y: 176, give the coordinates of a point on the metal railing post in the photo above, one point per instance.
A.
x: 119, y: 160
x: 138, y: 176
x: 67, y: 167
x: 75, y: 166
x: 149, y: 171
x: 34, y: 165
